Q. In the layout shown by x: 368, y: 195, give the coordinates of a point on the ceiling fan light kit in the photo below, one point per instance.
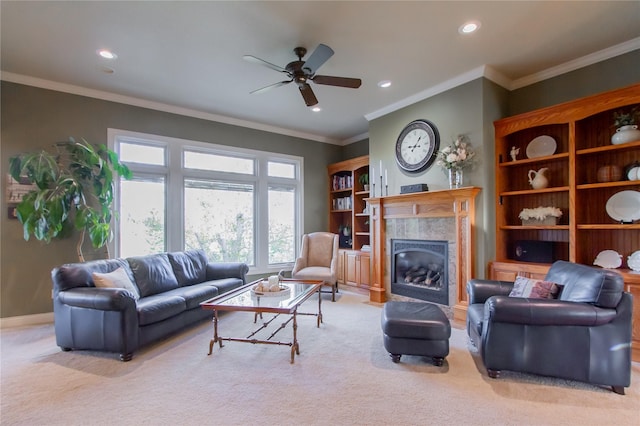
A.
x: 301, y: 72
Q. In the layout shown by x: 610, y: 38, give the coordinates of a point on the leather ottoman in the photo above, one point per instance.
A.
x: 415, y: 328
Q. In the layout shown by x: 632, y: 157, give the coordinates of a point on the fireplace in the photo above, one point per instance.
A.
x: 419, y: 269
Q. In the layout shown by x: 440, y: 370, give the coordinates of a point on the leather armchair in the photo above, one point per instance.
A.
x: 584, y: 335
x: 318, y: 260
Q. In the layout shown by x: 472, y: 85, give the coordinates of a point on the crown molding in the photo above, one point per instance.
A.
x: 593, y: 58
x: 500, y: 79
x: 356, y: 138
x: 158, y: 106
x: 425, y: 94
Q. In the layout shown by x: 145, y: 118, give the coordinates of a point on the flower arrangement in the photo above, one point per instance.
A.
x: 625, y: 119
x: 458, y: 155
x: 540, y: 213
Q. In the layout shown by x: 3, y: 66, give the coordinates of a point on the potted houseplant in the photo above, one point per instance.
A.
x: 364, y: 181
x: 73, y: 188
x: 540, y: 216
x: 626, y: 126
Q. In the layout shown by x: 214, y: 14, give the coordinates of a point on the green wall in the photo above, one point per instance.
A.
x: 614, y: 73
x: 467, y: 109
x: 356, y: 149
x: 34, y: 118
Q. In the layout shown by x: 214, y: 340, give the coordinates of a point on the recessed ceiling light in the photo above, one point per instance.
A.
x: 316, y: 109
x: 469, y: 27
x: 384, y: 83
x: 107, y: 54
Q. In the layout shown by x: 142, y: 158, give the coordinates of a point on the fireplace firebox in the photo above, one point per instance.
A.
x: 419, y: 269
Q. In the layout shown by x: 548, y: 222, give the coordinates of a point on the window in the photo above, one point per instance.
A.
x: 142, y: 216
x: 219, y: 220
x: 235, y: 204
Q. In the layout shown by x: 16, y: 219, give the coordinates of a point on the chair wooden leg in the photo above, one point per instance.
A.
x: 333, y: 293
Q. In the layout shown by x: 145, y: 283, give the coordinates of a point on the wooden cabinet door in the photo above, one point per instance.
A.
x: 508, y: 271
x: 351, y: 268
x: 341, y: 266
x: 364, y: 269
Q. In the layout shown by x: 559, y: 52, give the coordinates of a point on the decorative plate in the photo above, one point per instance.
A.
x: 284, y: 290
x: 608, y: 259
x: 634, y: 261
x: 541, y: 146
x: 624, y: 206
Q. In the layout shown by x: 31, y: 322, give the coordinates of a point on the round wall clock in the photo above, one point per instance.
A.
x: 417, y: 146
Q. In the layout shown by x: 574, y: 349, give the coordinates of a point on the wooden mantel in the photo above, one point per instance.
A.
x: 455, y: 203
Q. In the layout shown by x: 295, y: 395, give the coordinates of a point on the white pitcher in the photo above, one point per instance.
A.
x: 538, y: 180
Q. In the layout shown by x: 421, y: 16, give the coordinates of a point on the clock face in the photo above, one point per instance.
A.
x: 417, y: 146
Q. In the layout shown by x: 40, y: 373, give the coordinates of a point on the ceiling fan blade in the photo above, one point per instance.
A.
x: 317, y: 58
x: 271, y: 86
x: 259, y: 61
x: 307, y: 94
x: 353, y: 83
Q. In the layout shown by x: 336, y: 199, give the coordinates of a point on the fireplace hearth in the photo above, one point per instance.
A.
x: 419, y: 269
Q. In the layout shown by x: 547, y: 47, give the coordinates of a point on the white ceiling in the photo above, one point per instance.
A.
x: 186, y: 57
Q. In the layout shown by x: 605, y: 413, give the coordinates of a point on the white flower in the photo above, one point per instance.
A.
x: 457, y: 155
x: 540, y: 213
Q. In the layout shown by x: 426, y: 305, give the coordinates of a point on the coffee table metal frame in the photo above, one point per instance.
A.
x: 243, y: 299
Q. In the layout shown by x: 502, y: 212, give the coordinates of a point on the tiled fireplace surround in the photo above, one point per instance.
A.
x: 447, y: 215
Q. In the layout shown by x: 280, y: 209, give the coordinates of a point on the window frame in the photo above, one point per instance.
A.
x: 175, y: 175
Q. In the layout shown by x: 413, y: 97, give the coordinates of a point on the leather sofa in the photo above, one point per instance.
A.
x: 583, y: 335
x: 164, y: 298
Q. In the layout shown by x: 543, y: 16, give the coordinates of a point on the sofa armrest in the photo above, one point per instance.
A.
x: 520, y: 310
x: 221, y: 270
x: 103, y: 299
x: 480, y: 290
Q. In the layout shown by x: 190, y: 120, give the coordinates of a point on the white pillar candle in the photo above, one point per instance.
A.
x: 274, y: 280
x: 386, y: 177
x: 380, y: 168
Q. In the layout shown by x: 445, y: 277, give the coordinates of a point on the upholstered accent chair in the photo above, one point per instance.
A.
x: 584, y: 334
x: 318, y: 260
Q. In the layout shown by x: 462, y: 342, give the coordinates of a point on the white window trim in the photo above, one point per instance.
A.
x: 175, y: 175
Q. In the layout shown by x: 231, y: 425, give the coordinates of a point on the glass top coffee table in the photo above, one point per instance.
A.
x: 282, y: 303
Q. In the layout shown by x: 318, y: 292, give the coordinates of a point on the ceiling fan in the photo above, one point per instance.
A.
x: 301, y: 72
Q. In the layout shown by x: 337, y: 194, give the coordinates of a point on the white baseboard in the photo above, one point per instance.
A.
x: 23, y: 320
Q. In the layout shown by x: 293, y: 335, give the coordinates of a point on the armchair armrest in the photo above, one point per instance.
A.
x: 519, y: 310
x: 103, y: 299
x: 301, y: 263
x: 220, y: 270
x: 480, y: 290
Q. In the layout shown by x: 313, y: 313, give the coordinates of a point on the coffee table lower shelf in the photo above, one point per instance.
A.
x: 242, y: 299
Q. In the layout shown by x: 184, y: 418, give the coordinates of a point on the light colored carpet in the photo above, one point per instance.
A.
x: 343, y: 376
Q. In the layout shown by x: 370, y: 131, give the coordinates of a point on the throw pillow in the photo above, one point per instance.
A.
x: 115, y: 279
x: 534, y: 289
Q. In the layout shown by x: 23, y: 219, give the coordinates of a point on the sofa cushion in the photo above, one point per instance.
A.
x: 534, y: 289
x: 159, y: 307
x: 153, y: 274
x: 115, y: 279
x: 73, y: 275
x: 582, y: 283
x: 226, y: 284
x: 195, y: 294
x: 189, y: 267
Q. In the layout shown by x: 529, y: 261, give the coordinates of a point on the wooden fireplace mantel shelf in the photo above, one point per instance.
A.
x: 452, y: 203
